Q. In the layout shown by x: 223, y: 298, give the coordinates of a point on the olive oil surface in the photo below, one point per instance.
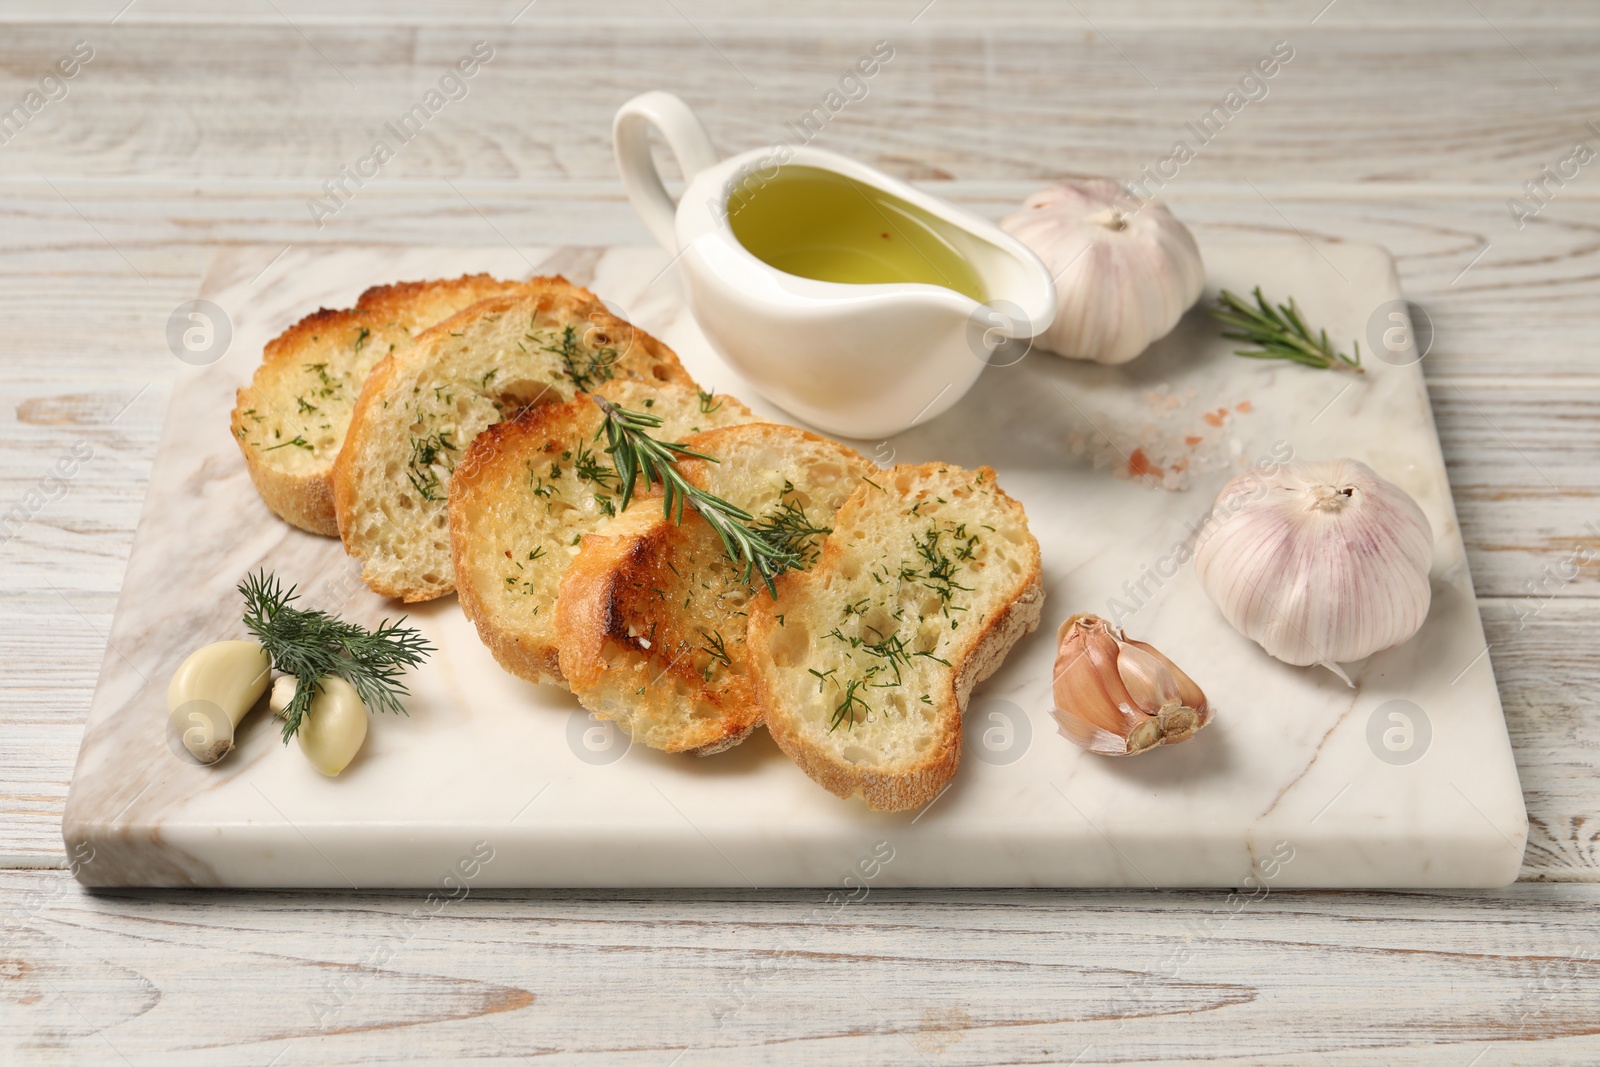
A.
x: 817, y: 224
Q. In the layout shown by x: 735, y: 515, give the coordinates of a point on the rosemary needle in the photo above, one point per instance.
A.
x: 639, y: 457
x: 313, y: 644
x: 1281, y: 334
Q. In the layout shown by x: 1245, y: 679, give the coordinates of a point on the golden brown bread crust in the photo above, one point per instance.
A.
x: 301, y: 497
x: 536, y: 430
x: 653, y: 613
x: 526, y: 490
x: 358, y: 472
x: 906, y: 790
x: 907, y: 786
x: 419, y: 305
x: 386, y: 318
x: 609, y: 584
x: 584, y: 615
x: 303, y: 500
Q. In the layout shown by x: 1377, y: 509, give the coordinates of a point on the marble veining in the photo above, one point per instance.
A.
x: 1291, y: 785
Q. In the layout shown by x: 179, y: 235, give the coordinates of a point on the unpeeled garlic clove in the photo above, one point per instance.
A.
x: 1119, y: 697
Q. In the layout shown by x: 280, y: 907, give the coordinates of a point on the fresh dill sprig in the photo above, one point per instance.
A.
x: 1281, y: 334
x: 638, y: 456
x: 788, y: 528
x: 821, y: 676
x: 586, y: 369
x: 425, y: 452
x: 314, y: 644
x: 892, y: 651
x: 844, y: 713
x: 588, y: 467
x: 941, y: 568
x: 715, y: 647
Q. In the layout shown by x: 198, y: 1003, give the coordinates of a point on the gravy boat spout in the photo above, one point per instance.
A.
x: 850, y: 299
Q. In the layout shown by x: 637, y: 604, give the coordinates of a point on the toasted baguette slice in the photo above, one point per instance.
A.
x: 864, y: 664
x: 291, y: 419
x: 652, y: 614
x: 421, y: 408
x: 526, y: 492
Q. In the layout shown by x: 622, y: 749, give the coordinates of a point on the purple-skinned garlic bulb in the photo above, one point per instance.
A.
x: 1318, y: 562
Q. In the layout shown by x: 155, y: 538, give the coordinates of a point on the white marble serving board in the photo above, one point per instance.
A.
x: 1298, y: 781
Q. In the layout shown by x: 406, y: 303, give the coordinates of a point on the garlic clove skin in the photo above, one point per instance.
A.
x: 335, y: 726
x: 1318, y: 562
x: 210, y: 693
x: 1149, y: 682
x: 1117, y: 697
x: 1124, y: 273
x: 1092, y: 706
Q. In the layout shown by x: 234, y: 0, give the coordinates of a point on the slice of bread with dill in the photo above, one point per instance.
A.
x: 527, y: 491
x: 290, y: 421
x: 864, y: 664
x: 652, y: 612
x: 422, y: 407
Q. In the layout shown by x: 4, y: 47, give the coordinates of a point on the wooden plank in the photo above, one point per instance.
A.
x: 1110, y: 14
x: 900, y: 977
x: 271, y: 101
x: 1547, y: 714
x: 1521, y: 463
x: 1501, y: 300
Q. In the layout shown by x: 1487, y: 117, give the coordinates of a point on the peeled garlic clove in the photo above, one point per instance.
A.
x: 1125, y: 271
x: 1118, y: 697
x: 1318, y: 562
x: 283, y: 691
x: 334, y: 727
x: 210, y: 693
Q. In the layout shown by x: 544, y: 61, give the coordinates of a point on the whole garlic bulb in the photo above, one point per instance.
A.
x: 1318, y: 562
x: 1124, y: 275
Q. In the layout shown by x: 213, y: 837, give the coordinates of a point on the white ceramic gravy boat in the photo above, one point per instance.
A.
x: 859, y: 360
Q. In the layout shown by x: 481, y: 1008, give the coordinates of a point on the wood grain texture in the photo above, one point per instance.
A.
x: 271, y: 101
x: 1520, y: 309
x: 1134, y: 14
x: 199, y: 126
x: 738, y: 978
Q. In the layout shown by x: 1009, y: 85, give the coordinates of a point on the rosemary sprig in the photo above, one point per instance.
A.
x: 313, y: 644
x: 638, y: 456
x: 1281, y: 334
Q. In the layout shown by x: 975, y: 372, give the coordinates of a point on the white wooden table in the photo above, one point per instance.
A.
x: 192, y: 129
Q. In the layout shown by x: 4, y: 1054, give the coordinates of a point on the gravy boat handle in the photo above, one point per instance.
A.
x: 690, y: 144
